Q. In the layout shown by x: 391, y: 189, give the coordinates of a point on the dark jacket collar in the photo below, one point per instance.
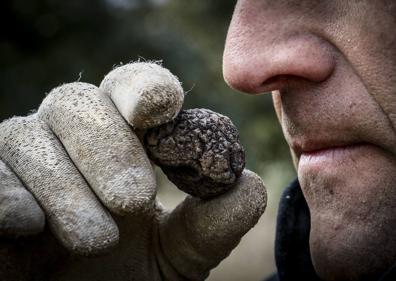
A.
x: 293, y: 259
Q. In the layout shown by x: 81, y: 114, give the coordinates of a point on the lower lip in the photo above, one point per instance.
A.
x: 333, y: 155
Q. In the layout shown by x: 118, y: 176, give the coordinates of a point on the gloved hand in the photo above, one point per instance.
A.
x: 86, y: 168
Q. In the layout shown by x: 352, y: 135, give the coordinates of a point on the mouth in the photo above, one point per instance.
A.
x: 319, y: 153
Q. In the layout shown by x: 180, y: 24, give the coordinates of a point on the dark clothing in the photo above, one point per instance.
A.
x: 293, y: 259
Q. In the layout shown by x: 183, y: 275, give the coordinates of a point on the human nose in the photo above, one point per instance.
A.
x: 264, y: 53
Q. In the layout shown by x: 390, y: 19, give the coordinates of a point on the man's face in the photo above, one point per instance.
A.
x: 331, y: 66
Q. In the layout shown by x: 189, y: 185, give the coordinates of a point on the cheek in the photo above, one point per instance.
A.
x: 379, y: 77
x: 366, y: 36
x: 382, y: 85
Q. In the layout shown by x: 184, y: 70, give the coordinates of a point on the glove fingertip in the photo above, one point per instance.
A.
x: 254, y: 192
x: 145, y: 93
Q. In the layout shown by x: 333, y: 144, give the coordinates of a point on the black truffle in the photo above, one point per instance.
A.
x: 199, y: 151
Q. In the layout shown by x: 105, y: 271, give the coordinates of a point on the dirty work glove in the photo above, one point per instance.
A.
x: 89, y: 173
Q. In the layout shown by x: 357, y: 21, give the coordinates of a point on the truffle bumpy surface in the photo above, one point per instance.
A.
x: 199, y: 151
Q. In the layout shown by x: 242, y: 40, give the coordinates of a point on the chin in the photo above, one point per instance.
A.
x: 348, y: 256
x: 352, y: 201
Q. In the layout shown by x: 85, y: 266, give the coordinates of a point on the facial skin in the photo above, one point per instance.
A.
x: 331, y: 67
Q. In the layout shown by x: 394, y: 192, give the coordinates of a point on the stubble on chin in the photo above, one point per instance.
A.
x: 353, y: 222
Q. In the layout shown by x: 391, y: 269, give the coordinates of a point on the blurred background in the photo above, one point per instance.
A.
x: 45, y: 43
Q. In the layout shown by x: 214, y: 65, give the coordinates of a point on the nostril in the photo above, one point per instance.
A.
x: 276, y: 82
x: 275, y: 79
x: 279, y: 82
